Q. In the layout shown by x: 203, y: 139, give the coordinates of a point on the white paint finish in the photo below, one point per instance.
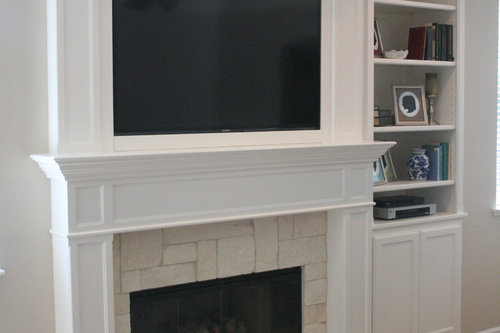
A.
x: 395, y: 283
x: 349, y: 64
x: 143, y: 191
x: 91, y: 172
x: 358, y: 190
x: 176, y: 200
x: 416, y: 278
x: 440, y: 282
x: 481, y: 233
x: 348, y: 271
x: 26, y: 301
x: 74, y: 87
x: 89, y: 205
x: 92, y: 284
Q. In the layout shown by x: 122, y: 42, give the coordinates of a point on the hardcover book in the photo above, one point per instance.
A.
x: 416, y: 43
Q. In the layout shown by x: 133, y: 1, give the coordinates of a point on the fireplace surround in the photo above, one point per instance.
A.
x: 95, y: 197
x: 99, y: 191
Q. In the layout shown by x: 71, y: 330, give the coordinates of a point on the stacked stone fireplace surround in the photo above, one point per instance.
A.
x: 165, y: 257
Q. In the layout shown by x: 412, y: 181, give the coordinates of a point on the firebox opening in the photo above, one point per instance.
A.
x: 268, y: 302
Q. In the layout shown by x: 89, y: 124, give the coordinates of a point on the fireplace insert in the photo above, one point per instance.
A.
x: 268, y: 302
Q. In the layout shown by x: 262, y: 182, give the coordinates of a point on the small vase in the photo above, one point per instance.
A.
x: 418, y: 164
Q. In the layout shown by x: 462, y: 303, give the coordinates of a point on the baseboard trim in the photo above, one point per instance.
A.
x: 492, y: 330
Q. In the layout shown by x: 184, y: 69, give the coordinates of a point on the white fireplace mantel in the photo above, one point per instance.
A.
x: 95, y: 196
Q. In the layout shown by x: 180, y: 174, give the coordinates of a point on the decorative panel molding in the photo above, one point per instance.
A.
x: 127, y: 192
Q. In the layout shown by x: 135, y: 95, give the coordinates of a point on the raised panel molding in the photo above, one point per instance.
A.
x: 127, y: 192
x: 395, y: 282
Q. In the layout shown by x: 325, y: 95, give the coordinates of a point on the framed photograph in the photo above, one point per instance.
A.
x: 388, y: 165
x: 378, y: 48
x: 379, y: 176
x: 409, y: 105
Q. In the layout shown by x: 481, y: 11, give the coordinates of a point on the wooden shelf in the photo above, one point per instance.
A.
x: 438, y: 217
x: 403, y: 129
x: 411, y: 62
x: 401, y: 185
x: 410, y: 7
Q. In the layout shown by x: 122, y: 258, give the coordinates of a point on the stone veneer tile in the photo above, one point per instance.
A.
x: 285, y: 225
x: 122, y: 304
x: 266, y: 244
x: 131, y: 281
x: 168, y: 275
x: 315, y: 314
x: 315, y: 292
x: 207, y: 260
x: 116, y: 264
x: 315, y: 328
x: 302, y: 251
x: 207, y: 232
x: 310, y: 224
x: 315, y: 271
x: 178, y: 254
x: 235, y: 256
x: 141, y: 249
x: 122, y: 324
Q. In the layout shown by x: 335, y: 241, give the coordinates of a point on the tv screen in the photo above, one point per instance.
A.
x: 209, y: 66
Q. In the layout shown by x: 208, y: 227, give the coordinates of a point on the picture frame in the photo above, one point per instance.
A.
x: 409, y: 105
x: 378, y: 48
x: 388, y: 166
x: 379, y: 176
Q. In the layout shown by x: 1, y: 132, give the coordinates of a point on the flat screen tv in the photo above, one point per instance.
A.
x: 214, y: 66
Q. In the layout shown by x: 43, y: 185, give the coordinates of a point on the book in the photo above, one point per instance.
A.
x: 445, y: 163
x: 433, y: 152
x: 378, y: 48
x: 428, y: 42
x: 449, y: 44
x: 437, y: 27
x: 416, y: 43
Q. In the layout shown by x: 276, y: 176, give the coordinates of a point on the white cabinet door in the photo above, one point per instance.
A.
x: 439, y: 280
x: 395, y: 283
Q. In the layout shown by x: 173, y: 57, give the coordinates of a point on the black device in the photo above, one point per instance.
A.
x: 398, y: 201
x: 214, y: 66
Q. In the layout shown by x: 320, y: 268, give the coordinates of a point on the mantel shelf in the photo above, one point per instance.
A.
x: 410, y: 7
x: 401, y: 129
x: 400, y: 185
x: 412, y: 62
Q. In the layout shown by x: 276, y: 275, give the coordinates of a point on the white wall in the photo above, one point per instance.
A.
x: 25, y: 252
x: 481, y: 254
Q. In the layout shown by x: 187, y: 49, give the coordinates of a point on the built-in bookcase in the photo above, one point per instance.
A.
x: 414, y: 258
x: 395, y: 18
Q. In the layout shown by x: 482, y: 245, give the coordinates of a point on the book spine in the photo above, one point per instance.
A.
x: 432, y: 152
x: 428, y: 43
x: 445, y: 149
x: 438, y: 41
x: 450, y: 43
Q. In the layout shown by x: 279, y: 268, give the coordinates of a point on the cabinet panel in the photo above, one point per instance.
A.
x: 395, y: 283
x: 439, y: 280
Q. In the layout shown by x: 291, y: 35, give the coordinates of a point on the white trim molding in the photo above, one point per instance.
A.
x: 492, y: 330
x: 96, y: 196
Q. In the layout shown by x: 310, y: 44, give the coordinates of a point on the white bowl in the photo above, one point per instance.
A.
x: 395, y: 54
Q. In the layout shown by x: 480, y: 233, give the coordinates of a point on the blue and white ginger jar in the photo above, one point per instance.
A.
x: 418, y: 164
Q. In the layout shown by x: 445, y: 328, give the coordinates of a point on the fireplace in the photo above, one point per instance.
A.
x: 97, y: 198
x: 268, y: 302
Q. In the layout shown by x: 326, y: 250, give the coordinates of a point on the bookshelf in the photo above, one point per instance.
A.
x: 405, y: 250
x: 395, y: 18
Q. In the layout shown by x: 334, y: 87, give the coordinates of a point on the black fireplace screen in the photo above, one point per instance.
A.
x: 268, y: 302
